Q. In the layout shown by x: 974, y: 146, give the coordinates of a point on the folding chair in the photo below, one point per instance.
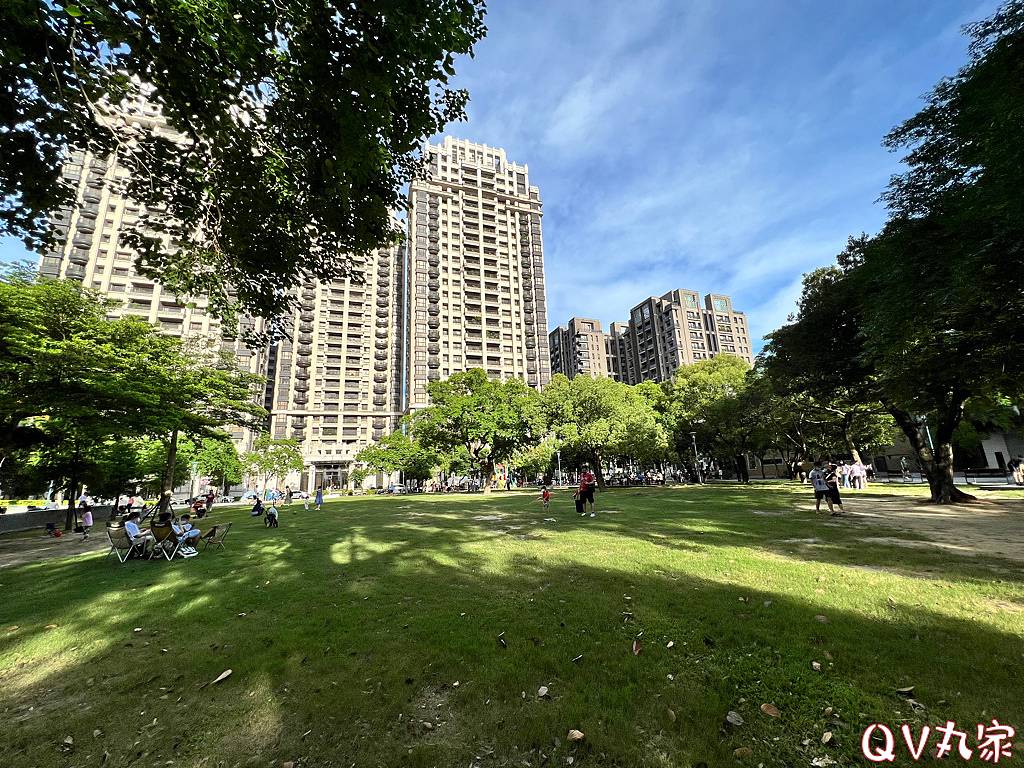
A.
x: 121, y: 545
x: 216, y: 536
x: 167, y: 541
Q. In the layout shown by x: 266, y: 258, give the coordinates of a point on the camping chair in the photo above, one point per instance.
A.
x: 121, y: 545
x: 167, y: 541
x: 216, y: 536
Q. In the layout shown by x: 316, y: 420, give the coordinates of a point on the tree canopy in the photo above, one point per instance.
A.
x: 291, y: 127
x: 490, y: 420
x: 923, y: 318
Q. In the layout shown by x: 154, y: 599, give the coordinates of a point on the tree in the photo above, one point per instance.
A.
x: 599, y: 419
x: 490, y: 420
x: 398, y: 452
x: 273, y: 458
x: 288, y: 151
x: 217, y: 458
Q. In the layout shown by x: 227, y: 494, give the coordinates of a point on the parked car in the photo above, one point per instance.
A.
x: 397, y: 489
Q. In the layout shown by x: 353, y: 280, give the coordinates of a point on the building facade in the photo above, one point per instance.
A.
x: 91, y: 252
x: 663, y: 334
x: 579, y: 347
x: 334, y: 383
x: 475, y: 279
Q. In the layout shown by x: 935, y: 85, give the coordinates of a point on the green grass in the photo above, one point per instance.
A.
x: 359, y: 621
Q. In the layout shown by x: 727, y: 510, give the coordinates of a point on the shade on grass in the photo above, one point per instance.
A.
x: 368, y: 634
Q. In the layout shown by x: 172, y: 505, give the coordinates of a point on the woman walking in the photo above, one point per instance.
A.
x: 319, y: 498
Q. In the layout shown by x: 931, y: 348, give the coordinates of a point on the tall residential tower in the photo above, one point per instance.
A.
x: 476, y: 270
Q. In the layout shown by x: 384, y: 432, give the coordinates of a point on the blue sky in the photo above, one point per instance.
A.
x: 719, y: 145
x: 725, y: 146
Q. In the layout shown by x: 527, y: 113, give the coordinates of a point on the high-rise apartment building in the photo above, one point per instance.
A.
x: 476, y: 270
x: 335, y: 382
x: 664, y: 333
x: 675, y: 329
x: 91, y: 252
x: 579, y: 347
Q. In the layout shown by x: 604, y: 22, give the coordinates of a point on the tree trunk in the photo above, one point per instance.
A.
x: 488, y: 470
x: 598, y: 472
x: 71, y: 516
x: 937, y: 469
x: 167, y: 481
x: 847, y: 426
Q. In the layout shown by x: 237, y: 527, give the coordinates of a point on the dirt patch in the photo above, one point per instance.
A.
x: 21, y: 550
x: 983, y: 529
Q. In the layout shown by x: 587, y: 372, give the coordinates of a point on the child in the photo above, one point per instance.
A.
x: 271, y: 520
x: 545, y: 497
x: 257, y: 507
x: 189, y: 533
x: 86, y: 521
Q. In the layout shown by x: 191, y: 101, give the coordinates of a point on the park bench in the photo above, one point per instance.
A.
x: 972, y: 476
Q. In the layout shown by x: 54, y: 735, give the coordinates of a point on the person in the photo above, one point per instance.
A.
x: 210, y: 497
x: 86, y: 522
x: 1017, y: 470
x: 189, y: 533
x: 817, y: 479
x: 904, y: 469
x: 860, y: 475
x: 844, y: 474
x: 579, y: 496
x: 257, y: 507
x: 137, y: 536
x: 545, y: 497
x: 122, y: 503
x: 287, y: 495
x: 832, y: 492
x: 199, y: 506
x: 319, y: 497
x: 588, y: 483
x: 271, y: 519
x: 305, y: 501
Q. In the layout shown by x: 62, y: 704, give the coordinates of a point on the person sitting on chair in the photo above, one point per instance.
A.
x: 137, y: 536
x: 188, y: 532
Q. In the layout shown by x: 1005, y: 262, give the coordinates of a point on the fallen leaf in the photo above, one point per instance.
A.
x: 97, y: 733
x: 578, y: 658
x: 742, y: 753
x: 50, y: 626
x: 672, y: 715
x: 288, y: 764
x: 575, y: 735
x: 767, y: 603
x: 455, y: 684
x: 816, y: 666
x: 501, y: 640
x: 822, y: 619
x: 137, y: 629
x: 826, y: 737
x: 828, y: 655
x: 822, y: 762
x: 542, y: 692
x: 908, y: 691
x: 828, y: 711
x: 734, y: 718
x: 223, y: 676
x: 307, y: 733
x: 428, y: 726
x: 670, y: 644
x: 771, y: 710
x: 636, y: 646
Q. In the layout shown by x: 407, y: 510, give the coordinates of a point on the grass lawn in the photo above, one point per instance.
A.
x: 416, y: 631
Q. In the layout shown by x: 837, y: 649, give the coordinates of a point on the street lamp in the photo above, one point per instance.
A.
x: 696, y: 461
x: 559, y: 455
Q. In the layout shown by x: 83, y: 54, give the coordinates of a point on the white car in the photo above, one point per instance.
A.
x: 397, y: 489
